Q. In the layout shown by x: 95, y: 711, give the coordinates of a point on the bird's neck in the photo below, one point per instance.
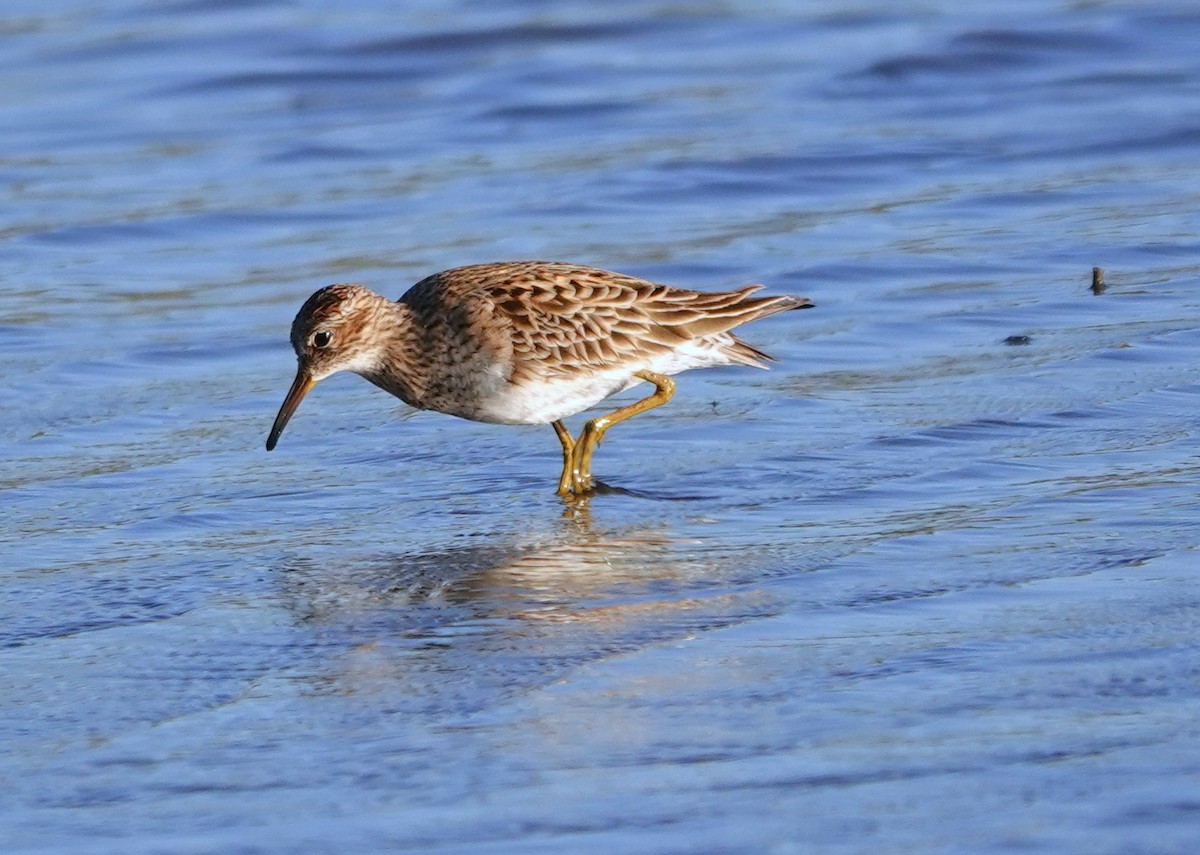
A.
x: 396, y: 368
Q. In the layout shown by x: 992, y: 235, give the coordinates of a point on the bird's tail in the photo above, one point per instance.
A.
x: 752, y: 309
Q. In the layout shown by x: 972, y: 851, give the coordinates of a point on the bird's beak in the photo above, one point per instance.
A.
x: 300, y: 386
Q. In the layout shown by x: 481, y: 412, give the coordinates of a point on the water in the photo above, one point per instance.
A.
x: 928, y: 586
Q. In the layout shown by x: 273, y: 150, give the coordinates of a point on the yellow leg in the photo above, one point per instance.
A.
x: 593, y: 431
x: 566, y: 480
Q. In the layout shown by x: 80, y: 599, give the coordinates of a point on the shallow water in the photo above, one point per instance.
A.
x: 928, y: 586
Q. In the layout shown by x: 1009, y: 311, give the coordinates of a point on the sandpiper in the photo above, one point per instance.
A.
x: 524, y: 342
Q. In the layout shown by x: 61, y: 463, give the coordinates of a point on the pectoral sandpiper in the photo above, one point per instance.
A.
x: 524, y: 342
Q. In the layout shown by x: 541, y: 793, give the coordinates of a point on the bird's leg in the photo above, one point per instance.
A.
x: 566, y: 480
x: 593, y: 431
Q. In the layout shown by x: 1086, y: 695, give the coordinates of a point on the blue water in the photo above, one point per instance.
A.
x: 929, y: 586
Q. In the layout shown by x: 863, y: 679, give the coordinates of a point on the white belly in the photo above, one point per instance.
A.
x: 545, y: 401
x: 548, y: 401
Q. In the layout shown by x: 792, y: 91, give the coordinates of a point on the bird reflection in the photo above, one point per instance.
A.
x: 459, y: 627
x: 548, y: 575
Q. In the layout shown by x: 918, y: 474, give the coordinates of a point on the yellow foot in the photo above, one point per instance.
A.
x: 576, y: 478
x: 570, y: 483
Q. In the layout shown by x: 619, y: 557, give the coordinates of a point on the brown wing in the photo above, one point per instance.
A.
x: 564, y: 317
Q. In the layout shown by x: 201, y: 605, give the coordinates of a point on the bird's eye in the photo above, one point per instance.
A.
x: 322, y: 339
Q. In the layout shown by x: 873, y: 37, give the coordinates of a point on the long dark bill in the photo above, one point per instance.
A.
x: 295, y: 395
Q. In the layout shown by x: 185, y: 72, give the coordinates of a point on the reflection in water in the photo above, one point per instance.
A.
x: 522, y: 574
x: 459, y: 625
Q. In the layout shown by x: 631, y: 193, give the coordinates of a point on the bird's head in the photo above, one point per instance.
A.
x: 335, y: 330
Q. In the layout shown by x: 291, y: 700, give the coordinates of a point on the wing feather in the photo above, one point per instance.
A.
x: 563, y: 318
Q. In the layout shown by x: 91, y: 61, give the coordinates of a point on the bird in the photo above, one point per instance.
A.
x: 525, y: 342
